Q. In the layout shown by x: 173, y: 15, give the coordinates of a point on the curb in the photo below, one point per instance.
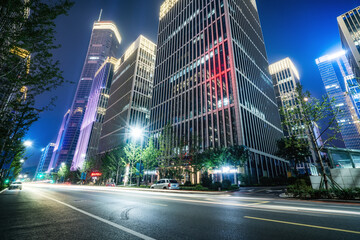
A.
x: 3, y: 190
x: 175, y: 191
x: 321, y: 200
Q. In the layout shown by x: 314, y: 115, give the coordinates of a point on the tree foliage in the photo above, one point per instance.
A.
x: 308, y: 111
x: 293, y: 149
x: 27, y: 67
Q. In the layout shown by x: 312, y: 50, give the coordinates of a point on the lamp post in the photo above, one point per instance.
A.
x: 137, y: 133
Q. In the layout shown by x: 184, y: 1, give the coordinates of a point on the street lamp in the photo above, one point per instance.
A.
x: 62, y: 164
x: 136, y: 132
x: 28, y: 143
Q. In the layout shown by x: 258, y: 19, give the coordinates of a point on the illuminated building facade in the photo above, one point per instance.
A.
x: 212, y: 81
x: 90, y: 131
x: 59, y: 140
x: 104, y: 43
x: 45, y: 159
x: 336, y: 74
x: 349, y: 27
x: 285, y: 78
x: 130, y: 94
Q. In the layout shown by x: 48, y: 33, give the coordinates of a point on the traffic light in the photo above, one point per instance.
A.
x: 7, y: 181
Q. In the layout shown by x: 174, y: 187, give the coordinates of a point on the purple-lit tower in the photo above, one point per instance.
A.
x: 90, y: 131
x: 104, y: 43
x: 59, y: 141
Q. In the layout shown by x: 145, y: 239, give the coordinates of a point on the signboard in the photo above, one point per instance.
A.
x: 95, y: 174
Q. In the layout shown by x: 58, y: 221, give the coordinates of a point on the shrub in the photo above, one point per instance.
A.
x: 226, y: 184
x: 187, y: 183
x: 215, y: 186
x: 206, y: 180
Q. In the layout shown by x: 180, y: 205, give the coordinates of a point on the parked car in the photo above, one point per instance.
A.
x: 166, y: 184
x: 110, y: 185
x: 16, y: 185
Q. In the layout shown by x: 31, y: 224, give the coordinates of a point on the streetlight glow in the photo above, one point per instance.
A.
x: 136, y: 132
x: 22, y: 160
x: 62, y: 164
x: 28, y: 143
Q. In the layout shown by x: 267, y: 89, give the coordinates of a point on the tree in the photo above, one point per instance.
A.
x: 149, y: 156
x: 293, y: 149
x: 113, y: 162
x: 27, y: 67
x: 308, y: 111
x: 234, y: 156
x: 133, y: 156
x: 63, y: 172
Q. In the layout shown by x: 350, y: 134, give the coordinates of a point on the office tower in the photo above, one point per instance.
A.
x: 130, y: 95
x: 104, y: 43
x: 59, y: 141
x: 90, y: 131
x: 212, y: 80
x: 336, y: 73
x: 349, y: 27
x: 285, y: 78
x: 45, y: 159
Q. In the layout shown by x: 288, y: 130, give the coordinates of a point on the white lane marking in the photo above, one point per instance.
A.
x: 3, y: 190
x: 137, y: 234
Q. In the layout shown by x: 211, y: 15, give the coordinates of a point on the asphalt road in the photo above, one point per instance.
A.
x: 75, y: 212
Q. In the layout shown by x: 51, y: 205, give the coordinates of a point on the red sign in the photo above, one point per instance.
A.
x: 95, y: 174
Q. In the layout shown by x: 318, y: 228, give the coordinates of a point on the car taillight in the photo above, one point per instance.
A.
x: 169, y: 185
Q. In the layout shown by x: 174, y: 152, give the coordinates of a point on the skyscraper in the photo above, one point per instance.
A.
x: 336, y: 74
x: 59, y: 141
x: 349, y: 26
x: 212, y: 80
x: 88, y: 142
x: 285, y: 78
x: 130, y: 94
x: 45, y: 159
x: 104, y: 43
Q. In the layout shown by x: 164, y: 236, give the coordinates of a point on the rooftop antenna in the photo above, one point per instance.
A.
x: 100, y: 15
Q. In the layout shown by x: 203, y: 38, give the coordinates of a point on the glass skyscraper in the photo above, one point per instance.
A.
x: 45, y: 159
x: 212, y: 80
x: 87, y: 146
x: 130, y: 94
x: 104, y: 43
x: 337, y: 77
x: 349, y: 26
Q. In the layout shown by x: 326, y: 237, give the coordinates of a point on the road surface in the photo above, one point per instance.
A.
x: 80, y: 212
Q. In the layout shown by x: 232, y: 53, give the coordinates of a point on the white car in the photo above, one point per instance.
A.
x: 16, y: 185
x: 166, y: 184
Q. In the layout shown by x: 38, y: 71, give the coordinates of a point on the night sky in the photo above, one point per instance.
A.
x: 302, y: 30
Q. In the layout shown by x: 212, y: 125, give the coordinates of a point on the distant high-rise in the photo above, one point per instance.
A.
x: 45, y: 159
x: 336, y: 74
x: 104, y: 43
x: 88, y: 142
x: 212, y: 80
x: 59, y: 141
x: 285, y: 78
x: 349, y: 26
x: 130, y: 94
